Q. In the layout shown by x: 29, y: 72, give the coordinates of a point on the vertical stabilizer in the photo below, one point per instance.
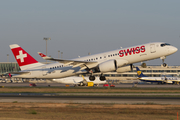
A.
x: 139, y: 73
x: 24, y: 60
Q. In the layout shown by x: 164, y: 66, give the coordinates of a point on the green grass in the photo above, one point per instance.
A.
x: 32, y: 112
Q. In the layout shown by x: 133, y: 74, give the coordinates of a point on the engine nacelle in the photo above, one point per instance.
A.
x: 108, y: 66
x: 121, y: 62
x: 112, y: 65
x: 124, y: 69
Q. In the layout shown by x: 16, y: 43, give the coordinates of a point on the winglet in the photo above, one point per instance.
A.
x: 44, y: 56
x: 139, y: 73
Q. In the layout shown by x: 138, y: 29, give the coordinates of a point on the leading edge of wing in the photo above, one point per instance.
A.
x: 63, y: 60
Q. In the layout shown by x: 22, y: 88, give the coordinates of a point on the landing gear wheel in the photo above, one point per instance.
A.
x: 91, y: 78
x: 102, y: 78
x: 164, y: 64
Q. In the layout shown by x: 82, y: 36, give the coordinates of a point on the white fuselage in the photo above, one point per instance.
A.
x: 128, y: 55
x: 74, y: 80
x: 160, y: 79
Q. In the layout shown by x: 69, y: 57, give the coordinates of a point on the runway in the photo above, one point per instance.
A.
x: 123, y: 85
x: 91, y: 99
x: 110, y: 98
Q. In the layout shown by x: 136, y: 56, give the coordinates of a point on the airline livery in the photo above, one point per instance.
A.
x: 161, y: 80
x: 119, y: 60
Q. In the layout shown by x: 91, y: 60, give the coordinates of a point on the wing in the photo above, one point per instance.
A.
x: 74, y: 63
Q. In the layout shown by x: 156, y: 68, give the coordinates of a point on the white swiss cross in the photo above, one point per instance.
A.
x: 21, y: 56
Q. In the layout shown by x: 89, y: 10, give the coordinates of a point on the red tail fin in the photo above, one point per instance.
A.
x: 23, y: 59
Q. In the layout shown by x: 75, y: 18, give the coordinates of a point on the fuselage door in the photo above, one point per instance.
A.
x: 152, y: 48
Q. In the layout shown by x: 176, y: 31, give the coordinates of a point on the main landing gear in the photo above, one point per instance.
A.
x: 102, y: 78
x: 92, y: 78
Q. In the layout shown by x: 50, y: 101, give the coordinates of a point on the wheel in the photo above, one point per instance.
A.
x: 164, y: 64
x: 102, y: 78
x: 91, y: 78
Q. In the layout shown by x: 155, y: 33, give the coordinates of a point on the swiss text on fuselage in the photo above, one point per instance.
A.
x: 131, y: 51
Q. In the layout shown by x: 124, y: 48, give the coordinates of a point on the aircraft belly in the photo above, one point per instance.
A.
x: 150, y: 79
x: 58, y: 74
x: 32, y: 74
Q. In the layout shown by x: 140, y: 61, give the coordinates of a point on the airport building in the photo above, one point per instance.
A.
x: 151, y: 71
x: 8, y: 67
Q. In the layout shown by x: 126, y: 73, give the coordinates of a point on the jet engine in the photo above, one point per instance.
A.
x: 125, y: 69
x: 108, y: 66
x: 111, y: 65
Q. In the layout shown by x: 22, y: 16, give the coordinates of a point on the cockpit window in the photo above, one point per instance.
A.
x: 165, y: 44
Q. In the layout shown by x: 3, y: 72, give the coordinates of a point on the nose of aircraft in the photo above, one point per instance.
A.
x: 174, y: 49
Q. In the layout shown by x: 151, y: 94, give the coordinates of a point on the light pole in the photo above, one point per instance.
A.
x: 7, y: 57
x: 58, y: 53
x: 61, y: 55
x: 46, y: 39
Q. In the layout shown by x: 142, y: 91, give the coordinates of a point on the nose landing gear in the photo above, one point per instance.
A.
x: 164, y: 64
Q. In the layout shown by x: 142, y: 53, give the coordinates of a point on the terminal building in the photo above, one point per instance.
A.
x: 152, y: 71
x: 8, y: 67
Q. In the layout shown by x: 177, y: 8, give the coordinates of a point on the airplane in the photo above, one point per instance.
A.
x: 79, y: 81
x: 160, y: 80
x: 119, y: 60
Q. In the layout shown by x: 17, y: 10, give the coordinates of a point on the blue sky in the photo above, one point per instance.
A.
x: 77, y: 27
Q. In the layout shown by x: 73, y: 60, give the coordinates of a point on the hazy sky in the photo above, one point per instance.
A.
x: 77, y: 27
